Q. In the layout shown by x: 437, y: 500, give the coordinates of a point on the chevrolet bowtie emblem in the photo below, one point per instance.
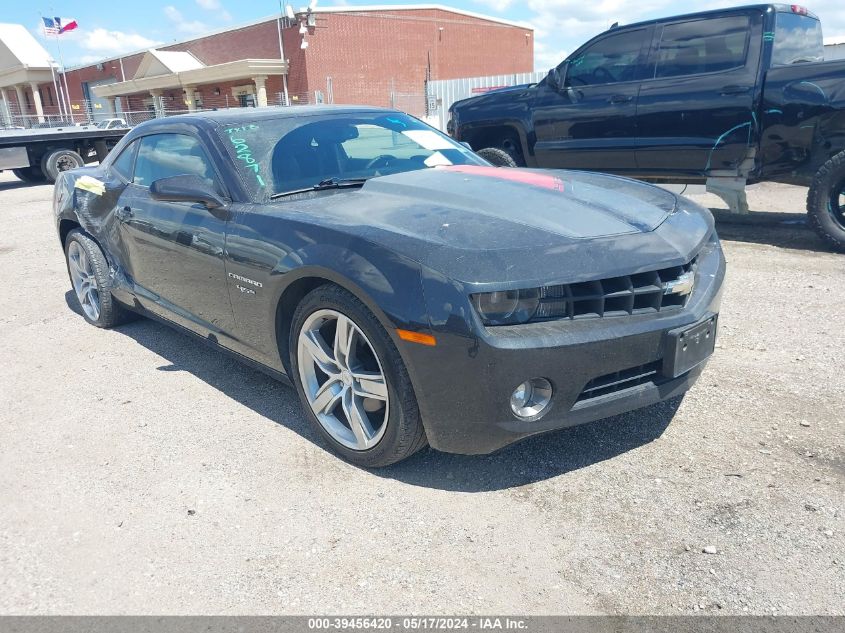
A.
x: 683, y: 285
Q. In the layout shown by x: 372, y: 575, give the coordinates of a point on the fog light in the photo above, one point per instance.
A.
x: 531, y: 399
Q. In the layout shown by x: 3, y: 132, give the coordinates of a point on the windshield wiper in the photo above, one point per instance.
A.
x: 328, y: 183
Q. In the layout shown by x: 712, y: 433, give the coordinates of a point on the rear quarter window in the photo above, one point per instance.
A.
x: 798, y: 38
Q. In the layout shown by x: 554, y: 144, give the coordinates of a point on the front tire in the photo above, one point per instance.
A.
x: 351, y: 380
x: 89, y: 276
x: 826, y: 202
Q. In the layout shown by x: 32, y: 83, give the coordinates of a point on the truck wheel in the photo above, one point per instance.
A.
x: 30, y: 174
x: 826, y: 202
x: 497, y: 157
x: 58, y: 161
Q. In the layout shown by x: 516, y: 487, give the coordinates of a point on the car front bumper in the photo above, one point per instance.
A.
x: 464, y: 383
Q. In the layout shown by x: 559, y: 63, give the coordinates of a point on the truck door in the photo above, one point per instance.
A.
x: 696, y: 114
x: 589, y: 121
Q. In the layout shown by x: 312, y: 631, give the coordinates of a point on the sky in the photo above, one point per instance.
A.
x: 114, y: 27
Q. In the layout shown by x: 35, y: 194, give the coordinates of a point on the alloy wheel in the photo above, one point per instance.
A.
x: 343, y: 380
x: 84, y: 280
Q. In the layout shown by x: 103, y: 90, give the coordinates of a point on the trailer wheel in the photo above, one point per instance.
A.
x: 29, y: 174
x: 58, y: 161
x: 826, y: 202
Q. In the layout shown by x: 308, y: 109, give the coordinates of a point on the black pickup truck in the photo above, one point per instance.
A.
x: 727, y: 98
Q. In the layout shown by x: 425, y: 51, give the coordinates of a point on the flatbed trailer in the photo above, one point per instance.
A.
x: 38, y: 155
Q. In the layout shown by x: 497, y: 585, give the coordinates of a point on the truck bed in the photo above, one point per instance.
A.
x: 13, y: 138
x: 803, y: 108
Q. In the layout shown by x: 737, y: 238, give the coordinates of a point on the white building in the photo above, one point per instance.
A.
x: 834, y: 47
x: 24, y: 64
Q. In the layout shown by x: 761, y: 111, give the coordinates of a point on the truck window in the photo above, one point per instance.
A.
x: 798, y: 38
x: 611, y: 59
x: 702, y: 46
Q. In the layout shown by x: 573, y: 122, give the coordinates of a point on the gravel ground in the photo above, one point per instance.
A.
x: 141, y: 472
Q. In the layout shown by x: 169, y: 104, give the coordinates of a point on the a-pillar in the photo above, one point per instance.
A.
x: 260, y: 90
x: 189, y: 98
x: 158, y: 105
x: 36, y: 99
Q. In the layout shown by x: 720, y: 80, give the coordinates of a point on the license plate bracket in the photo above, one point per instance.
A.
x: 689, y: 346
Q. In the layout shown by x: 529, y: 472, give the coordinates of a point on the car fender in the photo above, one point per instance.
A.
x: 390, y: 297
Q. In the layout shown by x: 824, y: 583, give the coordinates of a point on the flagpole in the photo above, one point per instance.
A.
x: 64, y: 73
x: 64, y: 77
x: 282, y: 52
x: 60, y: 98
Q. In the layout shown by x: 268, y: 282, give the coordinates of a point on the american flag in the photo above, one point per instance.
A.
x: 57, y: 26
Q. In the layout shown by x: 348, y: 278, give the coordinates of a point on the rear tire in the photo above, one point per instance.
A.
x: 30, y: 174
x: 826, y: 202
x: 89, y: 276
x: 55, y: 162
x: 497, y: 157
x: 363, y: 396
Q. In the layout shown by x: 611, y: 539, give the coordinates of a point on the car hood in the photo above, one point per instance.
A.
x: 471, y: 206
x: 470, y: 217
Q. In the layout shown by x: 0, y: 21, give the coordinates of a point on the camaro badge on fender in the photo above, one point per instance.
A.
x: 246, y: 280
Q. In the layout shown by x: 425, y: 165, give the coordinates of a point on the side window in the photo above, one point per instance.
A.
x: 123, y: 163
x: 165, y: 155
x: 702, y: 46
x: 612, y: 59
x: 798, y: 38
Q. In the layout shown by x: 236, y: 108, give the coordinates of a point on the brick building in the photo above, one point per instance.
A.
x: 379, y: 55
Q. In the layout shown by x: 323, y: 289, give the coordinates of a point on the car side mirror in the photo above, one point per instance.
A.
x: 187, y: 188
x: 557, y: 76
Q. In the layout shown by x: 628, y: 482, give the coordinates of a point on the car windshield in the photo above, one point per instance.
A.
x: 291, y: 153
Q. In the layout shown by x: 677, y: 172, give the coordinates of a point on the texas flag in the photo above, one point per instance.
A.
x: 57, y: 26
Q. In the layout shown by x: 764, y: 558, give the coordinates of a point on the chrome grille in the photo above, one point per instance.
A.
x: 640, y: 293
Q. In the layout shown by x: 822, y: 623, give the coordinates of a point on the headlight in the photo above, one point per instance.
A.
x: 507, y: 307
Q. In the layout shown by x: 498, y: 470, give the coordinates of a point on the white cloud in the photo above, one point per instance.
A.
x: 546, y: 58
x: 214, y: 5
x: 190, y: 27
x: 496, y: 5
x: 113, y: 42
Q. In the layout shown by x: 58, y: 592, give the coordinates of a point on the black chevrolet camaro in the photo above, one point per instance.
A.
x: 411, y: 292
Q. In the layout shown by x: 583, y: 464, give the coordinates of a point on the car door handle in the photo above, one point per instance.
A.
x: 734, y: 90
x: 124, y: 214
x: 621, y: 99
